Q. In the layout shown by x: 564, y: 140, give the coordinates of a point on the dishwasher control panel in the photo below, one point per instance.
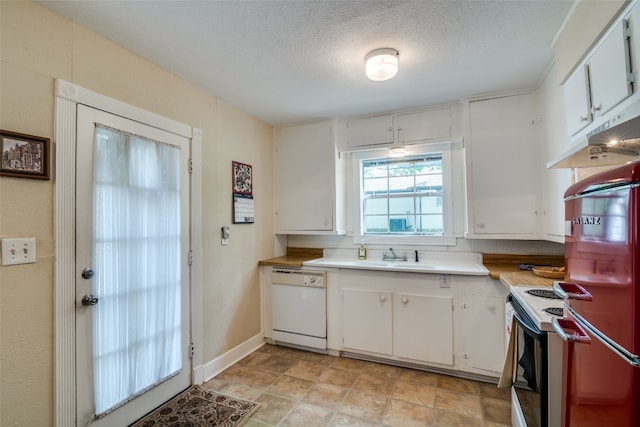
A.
x: 298, y: 278
x: 314, y: 281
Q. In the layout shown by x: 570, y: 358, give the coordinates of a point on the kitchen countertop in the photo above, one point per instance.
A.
x: 505, y: 268
x: 294, y: 257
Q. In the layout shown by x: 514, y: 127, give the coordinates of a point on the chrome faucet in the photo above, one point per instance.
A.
x: 393, y: 256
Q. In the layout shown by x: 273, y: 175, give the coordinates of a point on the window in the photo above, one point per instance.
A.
x: 403, y: 196
x: 417, y: 199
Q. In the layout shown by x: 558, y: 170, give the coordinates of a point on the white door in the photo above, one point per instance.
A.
x: 132, y: 243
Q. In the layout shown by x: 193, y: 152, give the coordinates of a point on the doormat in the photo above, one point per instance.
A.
x: 198, y: 406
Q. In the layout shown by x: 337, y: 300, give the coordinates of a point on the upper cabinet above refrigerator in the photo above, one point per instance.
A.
x: 602, y: 82
x: 610, y: 71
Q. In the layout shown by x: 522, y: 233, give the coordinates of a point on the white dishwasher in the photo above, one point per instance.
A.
x: 299, y: 307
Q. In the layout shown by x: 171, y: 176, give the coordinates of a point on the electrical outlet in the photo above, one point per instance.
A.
x: 18, y: 251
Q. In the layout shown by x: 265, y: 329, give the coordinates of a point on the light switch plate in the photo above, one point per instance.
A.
x: 18, y: 251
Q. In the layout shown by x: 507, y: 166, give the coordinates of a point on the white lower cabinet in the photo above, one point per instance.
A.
x: 448, y: 322
x: 367, y: 318
x: 423, y: 328
x: 398, y: 316
x: 480, y: 323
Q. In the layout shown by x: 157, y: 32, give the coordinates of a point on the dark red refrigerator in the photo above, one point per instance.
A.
x: 601, y: 290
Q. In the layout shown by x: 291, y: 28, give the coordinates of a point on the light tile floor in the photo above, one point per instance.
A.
x: 300, y: 388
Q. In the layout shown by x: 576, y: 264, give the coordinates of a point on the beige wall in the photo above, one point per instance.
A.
x: 590, y: 18
x: 38, y: 46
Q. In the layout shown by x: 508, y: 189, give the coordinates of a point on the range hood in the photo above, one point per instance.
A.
x: 614, y: 142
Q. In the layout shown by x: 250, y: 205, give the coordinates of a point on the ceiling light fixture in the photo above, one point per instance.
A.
x: 397, y: 152
x: 381, y: 64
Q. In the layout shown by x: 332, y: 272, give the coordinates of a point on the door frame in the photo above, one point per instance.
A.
x: 67, y: 98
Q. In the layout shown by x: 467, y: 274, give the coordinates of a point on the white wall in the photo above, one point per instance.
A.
x: 38, y: 46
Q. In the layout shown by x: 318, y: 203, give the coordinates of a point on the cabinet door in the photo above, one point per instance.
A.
x: 503, y: 168
x: 423, y: 328
x: 556, y: 182
x: 424, y: 126
x: 304, y: 178
x: 367, y: 317
x: 483, y: 332
x: 369, y: 131
x: 576, y: 101
x: 608, y: 71
x: 633, y: 21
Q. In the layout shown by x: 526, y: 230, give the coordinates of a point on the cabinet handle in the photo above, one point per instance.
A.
x: 584, y: 119
x: 383, y: 298
x: 390, y: 129
x: 405, y: 301
x: 595, y: 109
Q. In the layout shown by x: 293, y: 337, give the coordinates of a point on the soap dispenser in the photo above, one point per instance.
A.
x: 362, y: 251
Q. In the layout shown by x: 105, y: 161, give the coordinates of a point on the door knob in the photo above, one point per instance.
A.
x: 87, y: 273
x: 89, y: 300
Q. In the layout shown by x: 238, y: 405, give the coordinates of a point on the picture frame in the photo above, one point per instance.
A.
x: 241, y: 179
x: 243, y: 209
x: 24, y: 156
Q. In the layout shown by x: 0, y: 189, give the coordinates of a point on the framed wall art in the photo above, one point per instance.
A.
x: 241, y: 178
x: 24, y: 156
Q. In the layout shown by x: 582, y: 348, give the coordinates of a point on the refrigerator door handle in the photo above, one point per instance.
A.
x: 566, y: 290
x: 570, y: 331
x: 628, y: 357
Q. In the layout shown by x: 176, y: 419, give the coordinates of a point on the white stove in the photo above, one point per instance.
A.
x: 535, y: 305
x: 527, y: 407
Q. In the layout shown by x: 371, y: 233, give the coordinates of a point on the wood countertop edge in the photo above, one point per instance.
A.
x: 294, y: 257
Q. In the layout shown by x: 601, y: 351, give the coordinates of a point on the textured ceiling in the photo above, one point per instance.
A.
x: 291, y: 61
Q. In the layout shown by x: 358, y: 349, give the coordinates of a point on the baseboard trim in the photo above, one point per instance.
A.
x: 222, y: 362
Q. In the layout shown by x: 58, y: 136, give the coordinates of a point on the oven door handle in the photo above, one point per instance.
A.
x: 525, y: 326
x: 570, y: 331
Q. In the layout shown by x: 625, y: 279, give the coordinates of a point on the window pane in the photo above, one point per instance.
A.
x: 375, y: 185
x: 401, y: 183
x: 375, y: 206
x: 402, y: 169
x: 401, y: 224
x: 430, y: 224
x: 430, y: 205
x: 401, y: 205
x: 374, y: 170
x: 375, y: 224
x: 428, y: 182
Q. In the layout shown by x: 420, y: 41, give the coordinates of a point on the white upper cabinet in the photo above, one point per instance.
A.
x: 577, y: 101
x: 633, y: 22
x: 601, y: 83
x: 308, y: 180
x: 502, y: 168
x: 437, y: 124
x: 609, y: 70
x: 424, y: 126
x: 368, y: 131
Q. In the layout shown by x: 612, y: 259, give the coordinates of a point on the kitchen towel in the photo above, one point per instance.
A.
x: 510, y: 367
